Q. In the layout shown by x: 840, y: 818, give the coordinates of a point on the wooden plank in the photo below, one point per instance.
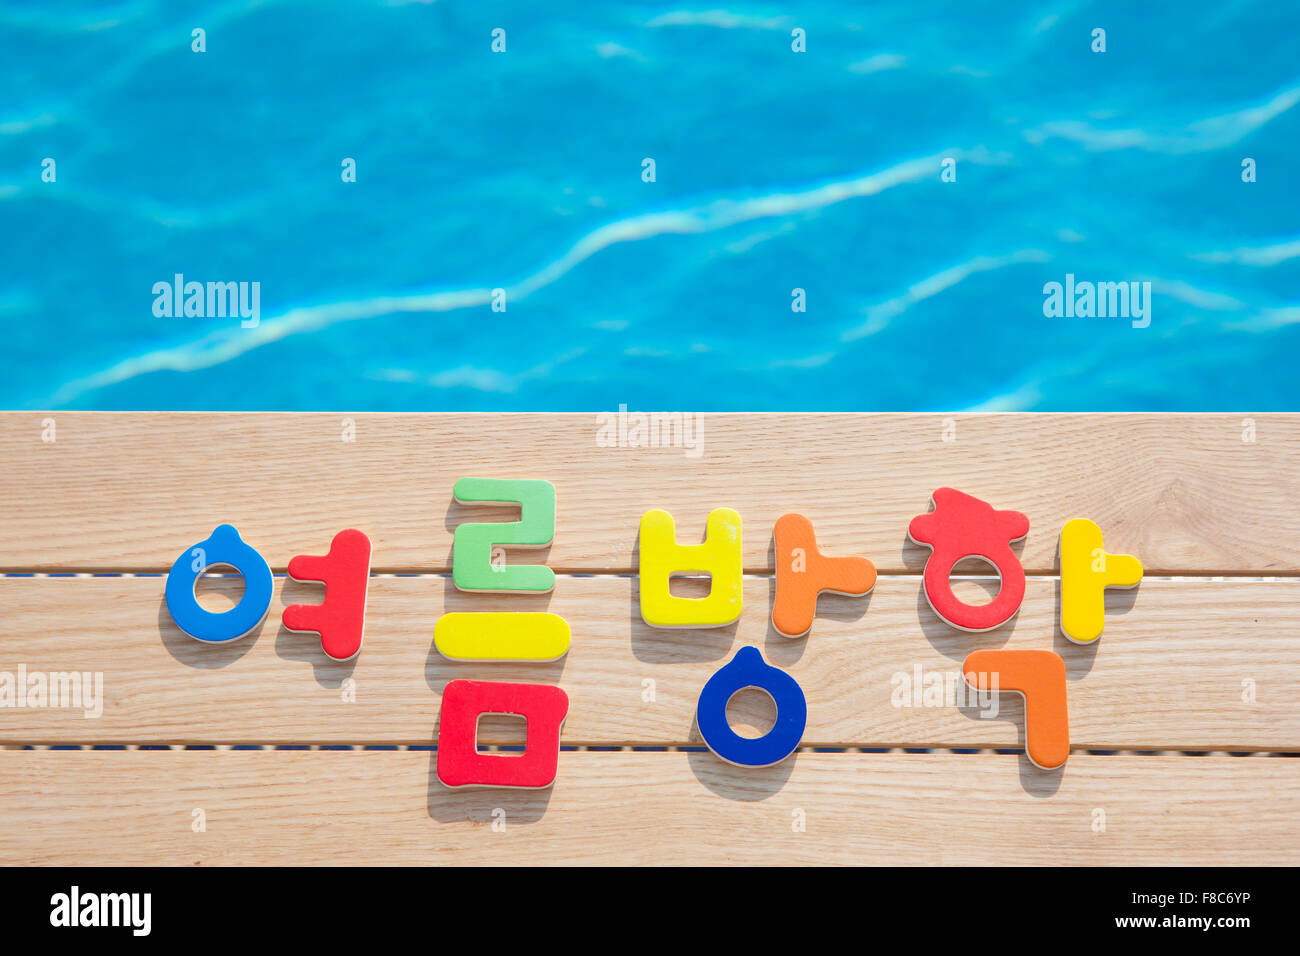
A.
x: 1167, y: 674
x: 374, y: 807
x: 130, y: 491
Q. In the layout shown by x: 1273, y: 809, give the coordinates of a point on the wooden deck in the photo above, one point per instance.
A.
x: 1183, y: 716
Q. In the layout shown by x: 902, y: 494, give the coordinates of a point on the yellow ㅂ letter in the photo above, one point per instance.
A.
x: 720, y: 557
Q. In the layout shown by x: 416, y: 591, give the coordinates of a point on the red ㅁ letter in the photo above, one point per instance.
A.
x: 464, y: 701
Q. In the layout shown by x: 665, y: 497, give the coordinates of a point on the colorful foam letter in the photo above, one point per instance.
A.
x: 720, y: 557
x: 1039, y: 677
x: 501, y: 636
x: 748, y: 669
x: 1086, y: 571
x: 803, y: 572
x: 340, y: 619
x: 472, y: 568
x: 225, y: 546
x: 961, y: 526
x: 464, y: 701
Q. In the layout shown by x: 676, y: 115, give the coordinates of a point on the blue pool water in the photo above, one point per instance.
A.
x: 775, y: 171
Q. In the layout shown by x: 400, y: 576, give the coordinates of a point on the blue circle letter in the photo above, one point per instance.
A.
x: 748, y: 669
x: 224, y: 547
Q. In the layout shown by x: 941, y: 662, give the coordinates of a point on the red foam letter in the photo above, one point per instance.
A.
x: 340, y: 619
x: 464, y: 701
x: 961, y: 526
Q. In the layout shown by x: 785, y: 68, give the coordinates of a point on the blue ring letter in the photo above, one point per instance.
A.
x: 224, y: 547
x: 748, y: 669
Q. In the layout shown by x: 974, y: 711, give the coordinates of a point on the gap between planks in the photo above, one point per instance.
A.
x: 630, y: 748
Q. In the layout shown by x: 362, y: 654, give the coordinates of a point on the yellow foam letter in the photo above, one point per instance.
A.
x: 1086, y: 571
x: 501, y: 636
x: 720, y: 557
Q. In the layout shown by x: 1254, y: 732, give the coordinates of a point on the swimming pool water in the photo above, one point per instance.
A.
x: 775, y: 171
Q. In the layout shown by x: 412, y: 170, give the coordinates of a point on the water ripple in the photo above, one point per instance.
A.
x: 229, y: 343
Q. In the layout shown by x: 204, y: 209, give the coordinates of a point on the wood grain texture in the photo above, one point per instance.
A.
x: 378, y: 808
x: 130, y: 491
x: 1167, y: 674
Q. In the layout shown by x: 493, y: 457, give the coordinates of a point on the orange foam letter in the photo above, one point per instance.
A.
x: 1039, y: 676
x: 803, y: 572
